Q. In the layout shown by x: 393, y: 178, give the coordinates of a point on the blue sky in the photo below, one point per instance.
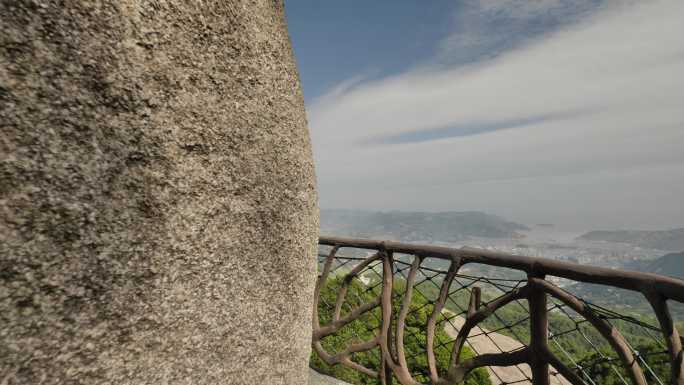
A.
x: 561, y: 111
x: 337, y: 40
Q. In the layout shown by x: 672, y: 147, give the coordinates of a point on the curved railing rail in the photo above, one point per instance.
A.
x: 393, y: 274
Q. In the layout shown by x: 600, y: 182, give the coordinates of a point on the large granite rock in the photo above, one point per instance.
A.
x: 158, y: 215
x: 316, y: 378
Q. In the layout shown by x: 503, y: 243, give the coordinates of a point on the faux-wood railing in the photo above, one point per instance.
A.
x: 535, y: 290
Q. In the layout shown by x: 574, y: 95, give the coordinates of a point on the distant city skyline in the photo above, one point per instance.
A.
x: 552, y: 111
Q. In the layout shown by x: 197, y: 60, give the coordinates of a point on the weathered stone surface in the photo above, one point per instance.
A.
x: 158, y: 213
x: 316, y: 378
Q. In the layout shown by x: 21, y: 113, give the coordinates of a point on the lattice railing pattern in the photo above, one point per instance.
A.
x: 387, y: 279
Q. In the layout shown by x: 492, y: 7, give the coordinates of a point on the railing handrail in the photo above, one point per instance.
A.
x: 646, y: 283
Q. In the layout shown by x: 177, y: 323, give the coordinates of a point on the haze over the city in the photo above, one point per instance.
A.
x: 564, y: 112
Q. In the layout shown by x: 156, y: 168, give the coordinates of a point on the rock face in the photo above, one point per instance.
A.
x: 158, y: 216
x: 316, y: 378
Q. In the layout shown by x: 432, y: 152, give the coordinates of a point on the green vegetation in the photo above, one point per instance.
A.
x: 605, y: 374
x: 621, y: 300
x: 670, y: 264
x: 366, y: 327
x: 573, y: 337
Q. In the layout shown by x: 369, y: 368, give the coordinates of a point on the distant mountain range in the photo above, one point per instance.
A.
x: 670, y: 264
x: 450, y: 226
x: 670, y: 240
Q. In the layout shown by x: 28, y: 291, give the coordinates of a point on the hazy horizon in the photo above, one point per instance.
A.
x: 560, y: 227
x: 563, y: 112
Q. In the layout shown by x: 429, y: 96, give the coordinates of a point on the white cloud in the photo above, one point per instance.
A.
x: 525, y: 8
x: 616, y: 80
x: 486, y: 28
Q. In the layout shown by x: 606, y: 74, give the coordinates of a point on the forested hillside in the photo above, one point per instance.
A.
x: 670, y: 264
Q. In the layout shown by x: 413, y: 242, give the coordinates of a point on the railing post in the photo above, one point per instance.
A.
x: 387, y: 292
x: 386, y: 378
x: 385, y: 369
x: 671, y: 335
x: 539, y: 335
